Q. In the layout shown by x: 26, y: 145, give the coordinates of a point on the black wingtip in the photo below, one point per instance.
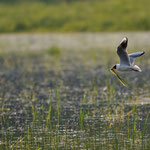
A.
x: 124, y: 42
x: 142, y: 53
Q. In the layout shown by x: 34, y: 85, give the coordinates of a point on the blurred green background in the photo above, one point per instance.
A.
x: 74, y: 15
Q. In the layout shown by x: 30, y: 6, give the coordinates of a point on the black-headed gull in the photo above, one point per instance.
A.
x: 126, y: 61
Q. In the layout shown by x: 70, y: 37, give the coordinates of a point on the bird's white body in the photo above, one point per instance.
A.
x: 123, y: 68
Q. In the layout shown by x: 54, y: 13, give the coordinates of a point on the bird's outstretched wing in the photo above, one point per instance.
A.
x: 134, y: 55
x: 122, y: 52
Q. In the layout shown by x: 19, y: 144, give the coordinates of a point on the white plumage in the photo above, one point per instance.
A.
x: 126, y: 61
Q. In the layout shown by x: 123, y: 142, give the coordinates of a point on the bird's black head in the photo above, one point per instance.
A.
x: 114, y: 67
x: 124, y: 42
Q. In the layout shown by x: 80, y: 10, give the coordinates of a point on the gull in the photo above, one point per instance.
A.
x: 126, y: 61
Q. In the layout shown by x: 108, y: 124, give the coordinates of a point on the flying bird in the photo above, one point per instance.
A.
x: 126, y: 60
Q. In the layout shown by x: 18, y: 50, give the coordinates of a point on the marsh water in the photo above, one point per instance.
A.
x: 66, y: 98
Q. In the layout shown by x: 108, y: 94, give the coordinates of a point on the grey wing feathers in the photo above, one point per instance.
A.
x: 122, y: 52
x: 134, y: 55
x: 137, y: 54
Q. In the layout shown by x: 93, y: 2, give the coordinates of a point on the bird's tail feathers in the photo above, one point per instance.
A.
x: 136, y: 68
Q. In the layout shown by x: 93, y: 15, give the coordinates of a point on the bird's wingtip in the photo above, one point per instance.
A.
x: 125, y: 39
x: 124, y: 42
x: 142, y: 53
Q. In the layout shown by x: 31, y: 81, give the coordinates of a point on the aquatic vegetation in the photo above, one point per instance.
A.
x: 65, y: 102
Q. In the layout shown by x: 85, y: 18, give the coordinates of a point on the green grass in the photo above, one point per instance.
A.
x: 54, y: 51
x: 80, y: 16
